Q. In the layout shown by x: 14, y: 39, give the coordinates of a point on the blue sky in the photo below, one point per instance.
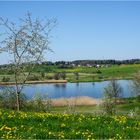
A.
x: 86, y: 30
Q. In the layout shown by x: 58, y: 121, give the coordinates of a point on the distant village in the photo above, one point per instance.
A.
x: 80, y: 63
x: 92, y: 63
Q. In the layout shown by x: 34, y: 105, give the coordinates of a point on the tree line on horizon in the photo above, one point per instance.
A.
x: 85, y: 62
x: 94, y: 62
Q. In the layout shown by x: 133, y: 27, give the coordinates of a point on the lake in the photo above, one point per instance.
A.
x: 66, y: 90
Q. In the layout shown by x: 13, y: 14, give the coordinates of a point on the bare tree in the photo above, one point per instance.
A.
x: 26, y: 42
x: 112, y: 92
x: 135, y: 85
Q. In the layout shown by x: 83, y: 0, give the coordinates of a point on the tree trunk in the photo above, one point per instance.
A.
x: 18, y: 101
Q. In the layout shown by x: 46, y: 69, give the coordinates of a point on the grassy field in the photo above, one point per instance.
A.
x: 84, y: 122
x: 75, y: 122
x: 116, y: 71
x: 86, y: 74
x: 25, y: 125
x: 124, y: 108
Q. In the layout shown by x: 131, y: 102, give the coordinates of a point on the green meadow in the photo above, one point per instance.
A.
x: 86, y: 74
x: 27, y: 125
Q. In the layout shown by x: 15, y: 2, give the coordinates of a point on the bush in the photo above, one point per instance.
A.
x: 112, y: 92
x: 63, y: 76
x: 49, y: 77
x: 100, y: 77
x: 76, y: 74
x: 138, y: 98
x: 33, y: 78
x: 57, y: 76
x: 135, y: 85
x: 42, y: 74
x: 10, y: 72
x: 108, y: 107
x: 8, y: 99
x: 99, y: 72
x: 39, y: 104
x: 5, y: 79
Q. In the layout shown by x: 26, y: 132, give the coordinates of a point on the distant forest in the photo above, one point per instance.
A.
x: 87, y: 62
x: 95, y: 62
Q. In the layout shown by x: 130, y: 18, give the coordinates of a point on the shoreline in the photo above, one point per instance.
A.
x: 35, y: 82
x: 62, y: 81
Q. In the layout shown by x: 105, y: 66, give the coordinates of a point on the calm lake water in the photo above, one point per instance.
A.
x: 90, y: 89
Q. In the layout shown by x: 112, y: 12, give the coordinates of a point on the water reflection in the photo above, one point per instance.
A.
x: 93, y: 83
x: 91, y: 89
x: 63, y: 85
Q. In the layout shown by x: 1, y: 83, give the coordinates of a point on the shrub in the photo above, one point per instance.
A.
x: 112, y: 93
x: 100, y: 77
x: 135, y: 85
x: 76, y: 74
x: 99, y: 72
x: 5, y: 79
x: 57, y: 76
x: 33, y: 78
x: 10, y: 71
x: 8, y: 99
x: 42, y: 74
x: 138, y: 98
x: 108, y: 107
x: 49, y: 77
x: 39, y: 104
x: 63, y: 76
